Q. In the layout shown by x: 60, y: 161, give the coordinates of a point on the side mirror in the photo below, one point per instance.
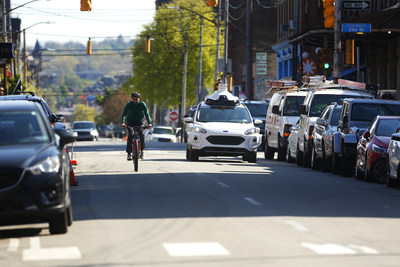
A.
x: 367, y: 134
x: 321, y: 122
x: 275, y: 109
x: 302, y: 109
x: 60, y: 117
x: 188, y: 119
x: 345, y: 119
x: 257, y: 122
x: 53, y: 118
x: 294, y: 127
x: 66, y: 137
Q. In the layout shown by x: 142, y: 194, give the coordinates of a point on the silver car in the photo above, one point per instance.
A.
x: 393, y: 161
x: 325, y: 126
x: 291, y: 155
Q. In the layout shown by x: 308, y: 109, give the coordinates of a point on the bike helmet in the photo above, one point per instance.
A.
x: 135, y: 94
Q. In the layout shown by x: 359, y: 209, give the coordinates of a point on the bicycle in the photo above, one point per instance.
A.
x: 136, y: 145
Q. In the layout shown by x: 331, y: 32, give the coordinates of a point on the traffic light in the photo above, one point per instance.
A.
x: 147, y: 45
x: 86, y: 5
x: 350, y: 52
x: 329, y: 13
x: 229, y: 79
x: 212, y: 2
x: 216, y: 84
x: 89, y: 47
x: 325, y: 58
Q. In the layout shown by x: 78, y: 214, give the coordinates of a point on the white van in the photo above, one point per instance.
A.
x: 282, y: 113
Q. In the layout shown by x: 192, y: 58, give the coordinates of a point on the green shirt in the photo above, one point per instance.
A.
x: 135, y: 112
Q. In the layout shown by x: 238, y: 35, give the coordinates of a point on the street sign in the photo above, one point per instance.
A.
x: 173, y: 116
x: 309, y: 67
x: 363, y: 5
x: 356, y: 27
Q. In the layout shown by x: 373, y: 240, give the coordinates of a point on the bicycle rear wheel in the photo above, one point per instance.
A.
x: 136, y: 155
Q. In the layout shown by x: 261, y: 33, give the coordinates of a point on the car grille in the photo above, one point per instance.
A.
x: 83, y: 133
x: 9, y: 177
x: 164, y: 140
x: 225, y: 140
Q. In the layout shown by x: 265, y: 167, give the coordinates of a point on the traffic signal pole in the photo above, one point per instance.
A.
x: 337, y: 46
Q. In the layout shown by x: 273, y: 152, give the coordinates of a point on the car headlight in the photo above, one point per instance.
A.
x: 49, y: 165
x: 250, y: 131
x: 93, y: 132
x: 199, y: 130
x: 378, y: 149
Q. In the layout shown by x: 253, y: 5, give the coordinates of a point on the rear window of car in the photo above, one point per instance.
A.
x: 368, y: 111
x: 387, y: 127
x: 320, y: 102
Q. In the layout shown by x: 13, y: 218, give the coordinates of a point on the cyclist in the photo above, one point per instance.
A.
x: 133, y: 115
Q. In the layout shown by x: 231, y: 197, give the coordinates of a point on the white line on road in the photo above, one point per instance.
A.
x: 195, y: 249
x: 223, y: 185
x: 329, y: 249
x: 363, y: 249
x: 252, y: 201
x: 35, y: 253
x: 13, y: 244
x: 297, y: 226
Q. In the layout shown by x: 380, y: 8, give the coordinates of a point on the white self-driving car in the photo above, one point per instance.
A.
x: 222, y: 126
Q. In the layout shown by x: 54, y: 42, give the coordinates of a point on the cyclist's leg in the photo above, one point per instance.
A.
x: 142, y: 141
x: 129, y: 140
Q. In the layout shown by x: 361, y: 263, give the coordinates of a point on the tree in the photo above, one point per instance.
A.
x: 113, y: 107
x: 84, y: 113
x: 158, y: 74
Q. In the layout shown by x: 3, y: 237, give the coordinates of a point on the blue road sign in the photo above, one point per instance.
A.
x: 356, y: 27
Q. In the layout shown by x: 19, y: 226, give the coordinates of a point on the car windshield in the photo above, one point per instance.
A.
x: 292, y: 104
x: 387, y: 127
x: 368, y: 111
x: 21, y: 127
x: 335, y: 116
x: 223, y: 114
x: 257, y: 109
x: 83, y: 125
x: 163, y: 131
x: 320, y: 102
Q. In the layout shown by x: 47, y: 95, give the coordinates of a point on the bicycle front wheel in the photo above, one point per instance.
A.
x: 136, y: 155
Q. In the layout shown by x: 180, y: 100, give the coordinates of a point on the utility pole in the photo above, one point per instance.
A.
x: 200, y: 55
x: 226, y: 41
x: 217, y: 49
x: 337, y: 45
x: 249, y: 50
x: 183, y: 106
x: 4, y: 39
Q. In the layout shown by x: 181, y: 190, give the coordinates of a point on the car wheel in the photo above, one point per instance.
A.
x: 289, y: 158
x: 268, y: 151
x: 367, y: 174
x: 392, y: 183
x: 315, y: 162
x: 299, y: 156
x: 193, y: 155
x: 187, y: 153
x: 326, y: 164
x: 378, y: 171
x: 281, y: 150
x: 306, y: 156
x: 359, y: 173
x: 59, y: 223
x: 252, y: 157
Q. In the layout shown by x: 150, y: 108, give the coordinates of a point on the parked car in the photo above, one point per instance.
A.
x: 316, y: 101
x: 372, y: 149
x: 325, y: 127
x: 222, y: 126
x: 188, y: 125
x: 393, y: 166
x: 258, y: 110
x: 355, y: 117
x: 281, y: 115
x: 117, y: 131
x: 34, y: 168
x: 104, y: 131
x: 161, y: 134
x: 292, y: 144
x: 86, y: 130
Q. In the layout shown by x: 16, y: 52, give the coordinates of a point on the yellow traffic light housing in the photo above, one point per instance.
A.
x: 89, y: 47
x: 350, y: 52
x: 212, y: 2
x: 216, y: 84
x: 147, y: 45
x: 229, y: 79
x: 329, y: 13
x: 86, y: 5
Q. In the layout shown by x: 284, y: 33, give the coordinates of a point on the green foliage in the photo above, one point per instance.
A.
x: 84, y: 113
x: 158, y: 75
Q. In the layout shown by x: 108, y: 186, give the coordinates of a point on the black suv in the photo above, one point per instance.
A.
x: 32, y: 97
x: 258, y: 110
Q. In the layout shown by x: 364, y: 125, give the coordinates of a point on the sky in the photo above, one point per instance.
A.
x: 62, y: 21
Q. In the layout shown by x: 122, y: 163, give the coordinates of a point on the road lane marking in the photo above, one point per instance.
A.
x: 224, y: 185
x: 195, y: 249
x: 35, y: 253
x: 252, y: 201
x: 329, y: 249
x: 297, y: 226
x: 13, y: 244
x: 363, y: 249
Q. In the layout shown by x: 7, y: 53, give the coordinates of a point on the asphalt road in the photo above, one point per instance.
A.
x: 214, y: 212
